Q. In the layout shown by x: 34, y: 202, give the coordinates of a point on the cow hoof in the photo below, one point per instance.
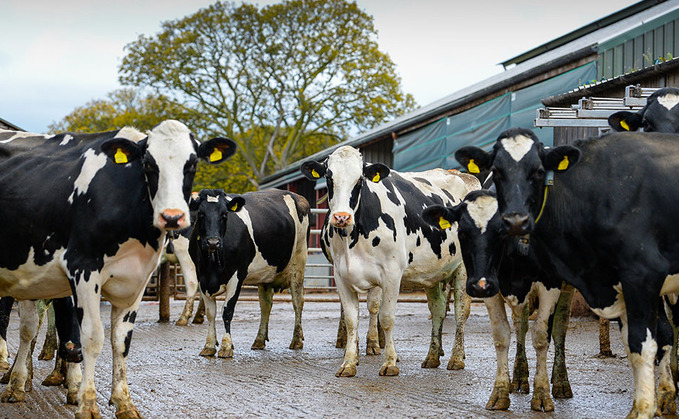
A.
x: 666, y: 404
x: 499, y: 400
x: 562, y: 390
x: 88, y: 409
x: 258, y: 344
x: 226, y: 352
x: 208, y: 352
x: 5, y: 377
x: 182, y: 321
x: 130, y: 412
x: 520, y: 386
x: 373, y: 348
x: 13, y: 396
x: 72, y: 398
x: 4, y: 365
x: 541, y: 401
x: 346, y: 370
x: 70, y: 352
x: 297, y: 344
x: 389, y: 370
x: 455, y: 364
x: 54, y: 379
x: 88, y: 414
x: 431, y: 362
x: 198, y: 319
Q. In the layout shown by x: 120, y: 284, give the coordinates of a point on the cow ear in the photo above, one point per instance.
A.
x: 313, y: 170
x: 625, y: 121
x: 473, y: 159
x: 561, y: 158
x: 376, y: 172
x: 216, y: 150
x: 194, y: 202
x: 121, y: 150
x: 441, y: 217
x: 236, y: 203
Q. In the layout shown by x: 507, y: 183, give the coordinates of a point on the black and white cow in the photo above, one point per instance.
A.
x: 606, y: 226
x: 259, y: 238
x: 661, y: 114
x: 374, y: 237
x: 487, y: 252
x: 87, y: 214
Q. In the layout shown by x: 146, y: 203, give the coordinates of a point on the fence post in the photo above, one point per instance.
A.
x: 164, y: 293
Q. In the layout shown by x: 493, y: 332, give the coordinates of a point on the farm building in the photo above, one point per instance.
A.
x: 633, y: 46
x: 7, y: 125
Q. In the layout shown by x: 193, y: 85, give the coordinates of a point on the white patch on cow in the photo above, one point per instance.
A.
x: 67, y: 139
x: 32, y: 282
x: 22, y: 134
x: 131, y: 134
x: 518, y: 146
x: 170, y: 145
x: 346, y: 165
x: 671, y: 285
x: 92, y: 164
x: 482, y: 210
x: 211, y: 198
x: 644, y: 376
x: 616, y: 310
x: 669, y: 101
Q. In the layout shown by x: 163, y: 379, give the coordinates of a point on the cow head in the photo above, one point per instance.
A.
x: 345, y: 174
x: 212, y: 208
x: 480, y: 231
x: 519, y: 164
x: 169, y: 155
x: 661, y: 114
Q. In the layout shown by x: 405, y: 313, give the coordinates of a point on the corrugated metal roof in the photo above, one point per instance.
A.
x: 561, y: 55
x: 8, y: 125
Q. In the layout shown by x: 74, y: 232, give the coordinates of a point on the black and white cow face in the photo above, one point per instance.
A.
x: 480, y: 231
x: 212, y: 208
x: 169, y: 156
x: 661, y: 114
x: 345, y: 173
x: 519, y: 164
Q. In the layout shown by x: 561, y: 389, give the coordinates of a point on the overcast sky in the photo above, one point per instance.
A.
x: 56, y: 55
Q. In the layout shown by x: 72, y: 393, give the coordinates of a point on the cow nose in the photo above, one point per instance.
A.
x: 516, y: 224
x: 480, y: 289
x: 172, y: 218
x: 341, y: 219
x: 213, y: 243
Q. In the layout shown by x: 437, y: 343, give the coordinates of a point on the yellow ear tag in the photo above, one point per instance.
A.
x: 624, y: 125
x: 315, y: 174
x: 443, y: 223
x: 376, y: 178
x: 472, y: 167
x: 234, y: 207
x: 120, y: 157
x: 563, y: 165
x: 216, y: 155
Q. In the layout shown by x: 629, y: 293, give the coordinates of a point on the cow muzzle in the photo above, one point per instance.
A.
x: 483, y: 288
x: 173, y: 219
x: 341, y: 219
x: 516, y: 224
x: 213, y: 244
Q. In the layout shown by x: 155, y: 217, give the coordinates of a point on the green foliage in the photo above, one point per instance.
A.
x: 284, y: 81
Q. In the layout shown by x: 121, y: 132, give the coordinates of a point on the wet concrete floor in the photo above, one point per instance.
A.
x: 168, y: 379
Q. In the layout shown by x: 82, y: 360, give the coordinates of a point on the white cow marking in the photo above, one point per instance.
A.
x: 211, y: 198
x: 482, y: 210
x: 67, y: 139
x: 669, y: 101
x: 518, y: 146
x: 93, y: 163
x: 21, y: 134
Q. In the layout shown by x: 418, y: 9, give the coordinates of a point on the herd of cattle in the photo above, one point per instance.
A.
x: 89, y: 215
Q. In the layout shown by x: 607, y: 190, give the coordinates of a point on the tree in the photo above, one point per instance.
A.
x: 283, y: 81
x: 130, y: 107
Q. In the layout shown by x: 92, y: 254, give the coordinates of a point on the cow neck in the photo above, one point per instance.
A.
x: 524, y: 241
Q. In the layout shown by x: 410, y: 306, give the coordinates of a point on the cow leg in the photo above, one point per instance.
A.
x: 666, y: 388
x: 373, y: 338
x: 72, y: 382
x: 520, y: 383
x: 67, y: 328
x: 349, y: 300
x: 542, y: 400
x: 181, y: 247
x: 499, y: 398
x: 437, y: 301
x: 5, y: 310
x: 210, y: 348
x: 265, y: 303
x: 462, y: 306
x: 233, y: 288
x: 387, y: 316
x: 341, y: 341
x: 187, y: 312
x: 49, y: 347
x: 199, y: 318
x: 21, y: 372
x: 297, y: 294
x: 122, y: 326
x: 561, y: 387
